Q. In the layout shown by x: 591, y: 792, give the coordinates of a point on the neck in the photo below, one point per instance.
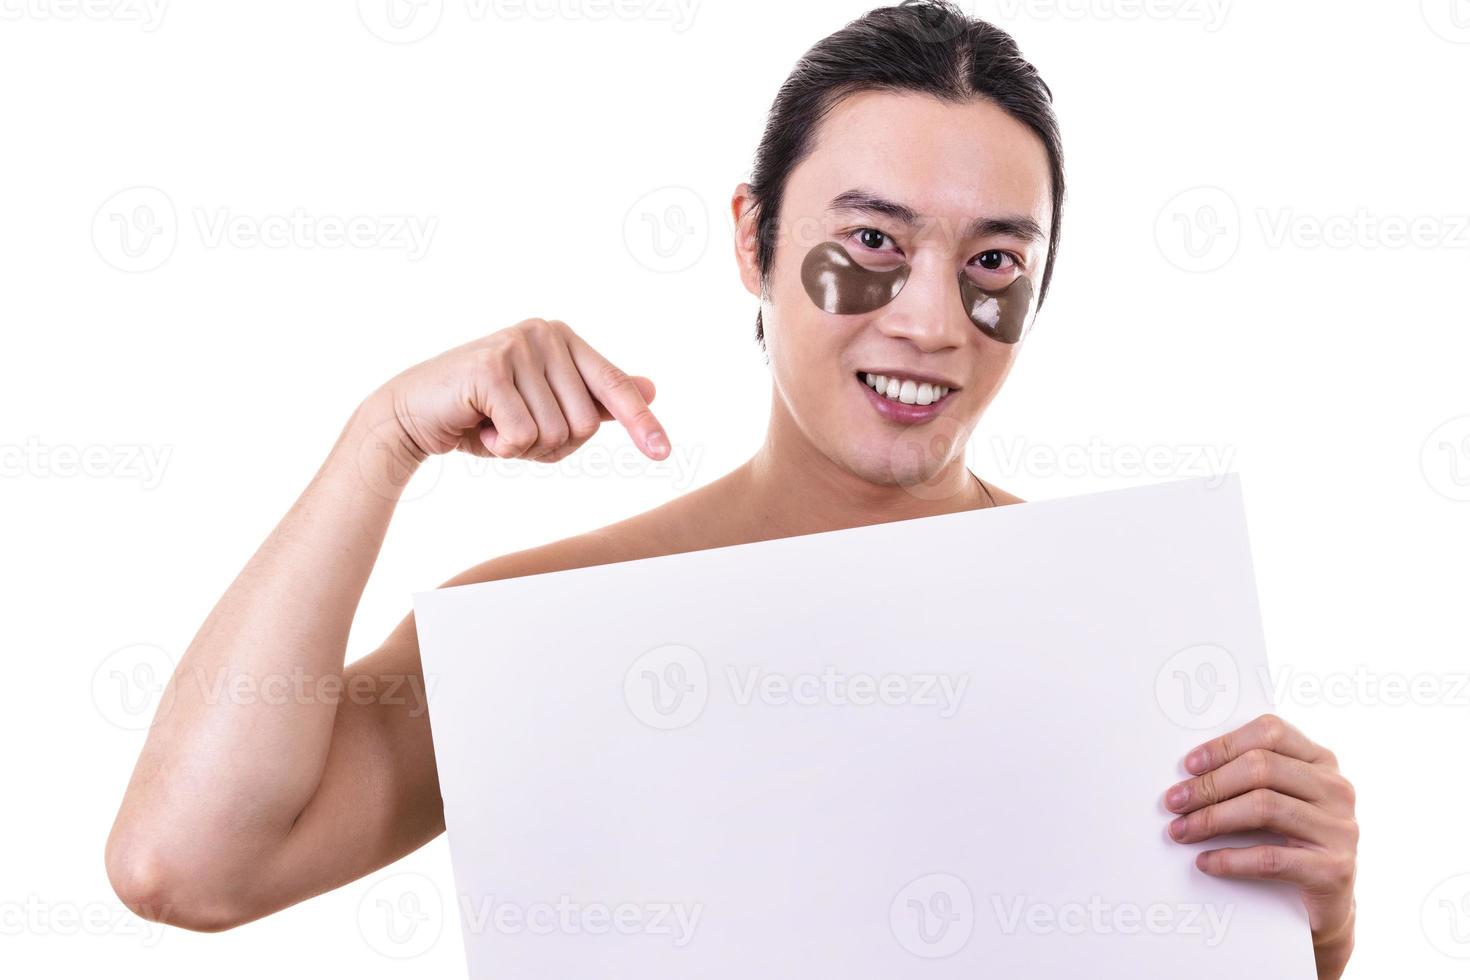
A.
x: 790, y: 487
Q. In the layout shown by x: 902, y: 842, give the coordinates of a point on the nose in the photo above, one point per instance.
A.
x: 928, y: 311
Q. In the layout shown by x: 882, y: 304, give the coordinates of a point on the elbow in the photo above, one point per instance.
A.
x: 156, y: 886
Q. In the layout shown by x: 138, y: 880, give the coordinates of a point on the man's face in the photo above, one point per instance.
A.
x: 948, y: 165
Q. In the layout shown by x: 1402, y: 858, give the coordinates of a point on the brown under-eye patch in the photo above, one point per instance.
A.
x: 1000, y: 313
x: 837, y: 283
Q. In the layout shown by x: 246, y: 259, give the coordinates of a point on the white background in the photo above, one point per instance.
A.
x: 1275, y: 322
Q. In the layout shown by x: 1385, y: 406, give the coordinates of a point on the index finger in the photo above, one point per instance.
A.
x: 614, y: 388
x: 1264, y: 732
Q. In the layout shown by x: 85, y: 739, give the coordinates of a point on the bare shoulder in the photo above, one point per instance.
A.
x: 686, y: 523
x: 694, y: 521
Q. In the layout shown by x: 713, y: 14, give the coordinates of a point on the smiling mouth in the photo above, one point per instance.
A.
x: 907, y: 391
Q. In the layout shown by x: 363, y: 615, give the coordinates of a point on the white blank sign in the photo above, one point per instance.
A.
x: 929, y: 748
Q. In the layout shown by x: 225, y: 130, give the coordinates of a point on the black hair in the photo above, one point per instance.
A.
x: 928, y: 46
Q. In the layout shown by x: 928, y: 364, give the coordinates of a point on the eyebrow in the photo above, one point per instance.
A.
x: 865, y: 202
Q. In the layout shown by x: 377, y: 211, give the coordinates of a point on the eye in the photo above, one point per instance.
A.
x: 996, y: 261
x: 872, y: 238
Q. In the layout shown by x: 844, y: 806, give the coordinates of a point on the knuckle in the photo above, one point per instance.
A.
x: 584, y: 426
x: 1262, y: 806
x: 490, y: 360
x: 1228, y: 745
x: 1258, y: 766
x: 1272, y: 862
x: 1272, y: 729
x: 613, y: 376
x: 1208, y: 788
x: 515, y: 440
x: 518, y: 337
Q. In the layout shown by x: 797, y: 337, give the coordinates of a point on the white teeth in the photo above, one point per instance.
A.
x: 903, y: 390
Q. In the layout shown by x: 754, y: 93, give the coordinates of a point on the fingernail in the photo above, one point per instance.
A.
x: 1197, y: 760
x: 1176, y: 827
x: 1176, y: 796
x: 657, y: 442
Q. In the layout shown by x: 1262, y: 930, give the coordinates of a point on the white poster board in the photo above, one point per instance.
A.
x: 930, y: 748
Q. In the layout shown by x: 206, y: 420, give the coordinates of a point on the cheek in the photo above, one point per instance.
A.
x: 806, y: 333
x: 996, y: 361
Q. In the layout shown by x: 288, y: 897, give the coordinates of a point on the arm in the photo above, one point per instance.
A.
x: 272, y: 774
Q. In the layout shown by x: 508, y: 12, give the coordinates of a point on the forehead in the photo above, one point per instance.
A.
x: 954, y: 161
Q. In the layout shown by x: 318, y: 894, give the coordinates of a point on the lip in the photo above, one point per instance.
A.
x: 899, y: 412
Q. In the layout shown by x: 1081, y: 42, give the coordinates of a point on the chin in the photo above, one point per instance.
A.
x: 896, y: 461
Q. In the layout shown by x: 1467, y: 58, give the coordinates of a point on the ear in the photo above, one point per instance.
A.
x: 742, y: 210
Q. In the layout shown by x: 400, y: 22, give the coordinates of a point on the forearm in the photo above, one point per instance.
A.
x: 242, y: 733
